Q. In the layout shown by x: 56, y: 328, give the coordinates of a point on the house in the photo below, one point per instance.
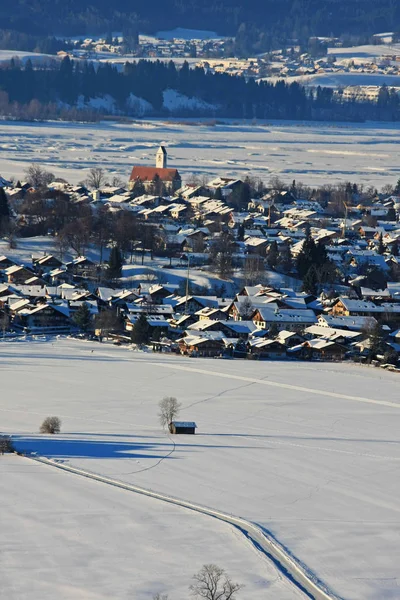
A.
x: 43, y: 317
x: 262, y: 348
x: 347, y: 307
x: 200, y: 346
x: 46, y: 263
x: 319, y: 349
x: 148, y: 176
x: 81, y: 266
x: 185, y: 427
x: 17, y: 274
x: 289, y: 319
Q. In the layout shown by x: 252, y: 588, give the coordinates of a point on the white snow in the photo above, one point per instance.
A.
x: 35, y: 57
x: 308, y: 450
x: 98, y: 542
x: 174, y: 101
x: 315, y: 153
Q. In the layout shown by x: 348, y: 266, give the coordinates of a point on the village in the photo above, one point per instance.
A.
x: 289, y: 276
x: 323, y: 58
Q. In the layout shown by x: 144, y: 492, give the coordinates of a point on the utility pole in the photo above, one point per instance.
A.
x: 187, y: 284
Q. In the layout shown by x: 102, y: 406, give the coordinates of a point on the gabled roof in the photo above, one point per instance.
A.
x: 149, y: 174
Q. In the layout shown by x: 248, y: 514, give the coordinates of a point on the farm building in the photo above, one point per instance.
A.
x: 188, y: 427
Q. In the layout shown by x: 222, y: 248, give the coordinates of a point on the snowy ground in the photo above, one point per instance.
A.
x: 68, y: 538
x: 309, y: 451
x: 315, y: 153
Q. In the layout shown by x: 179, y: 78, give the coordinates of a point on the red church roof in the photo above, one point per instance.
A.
x: 149, y: 173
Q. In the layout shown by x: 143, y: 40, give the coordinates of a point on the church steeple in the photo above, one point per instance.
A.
x: 161, y: 158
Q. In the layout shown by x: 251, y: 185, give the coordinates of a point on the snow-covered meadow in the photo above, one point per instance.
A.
x: 315, y: 153
x: 310, y: 451
x: 68, y: 538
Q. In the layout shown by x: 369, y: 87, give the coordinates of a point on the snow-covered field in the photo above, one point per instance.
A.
x: 69, y: 538
x: 310, y: 451
x: 315, y: 153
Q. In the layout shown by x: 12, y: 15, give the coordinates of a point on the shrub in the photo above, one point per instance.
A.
x: 6, y: 444
x: 51, y: 425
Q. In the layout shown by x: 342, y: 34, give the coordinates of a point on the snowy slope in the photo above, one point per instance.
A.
x: 75, y: 538
x: 309, y: 451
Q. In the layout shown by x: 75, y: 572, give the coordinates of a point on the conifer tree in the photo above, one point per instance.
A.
x: 310, y: 281
x: 82, y: 318
x: 141, y: 330
x: 115, y: 263
x: 273, y: 255
x: 381, y: 246
x: 4, y: 210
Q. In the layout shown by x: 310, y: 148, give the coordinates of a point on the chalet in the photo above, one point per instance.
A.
x: 360, y: 308
x: 44, y: 317
x: 192, y: 304
x: 319, y: 349
x: 262, y: 348
x: 46, y: 263
x: 182, y: 427
x: 81, y: 267
x: 18, y: 274
x: 6, y: 262
x: 148, y: 176
x: 200, y: 346
x: 289, y: 319
x: 352, y: 323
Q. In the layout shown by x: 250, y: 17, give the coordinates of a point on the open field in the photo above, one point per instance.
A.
x: 69, y: 538
x: 309, y: 451
x: 315, y: 153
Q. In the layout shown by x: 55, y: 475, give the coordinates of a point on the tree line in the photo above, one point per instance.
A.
x: 293, y: 18
x: 65, y: 86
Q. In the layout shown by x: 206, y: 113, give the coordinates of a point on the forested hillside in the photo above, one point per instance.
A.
x: 292, y: 18
x: 41, y: 93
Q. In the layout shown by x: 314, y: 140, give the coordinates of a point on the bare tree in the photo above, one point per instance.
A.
x: 51, y: 425
x: 246, y: 308
x: 169, y: 410
x: 4, y: 323
x: 159, y: 596
x: 96, y: 178
x: 254, y: 270
x: 212, y: 583
x: 38, y: 177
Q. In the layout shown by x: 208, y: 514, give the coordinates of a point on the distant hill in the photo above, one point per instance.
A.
x: 291, y: 18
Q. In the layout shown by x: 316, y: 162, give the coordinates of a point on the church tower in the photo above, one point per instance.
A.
x: 161, y: 158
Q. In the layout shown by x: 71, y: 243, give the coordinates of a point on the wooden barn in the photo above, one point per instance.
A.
x: 187, y: 427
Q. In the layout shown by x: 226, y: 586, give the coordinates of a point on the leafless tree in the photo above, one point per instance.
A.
x: 246, y: 308
x: 212, y: 583
x: 254, y: 270
x: 76, y: 235
x: 96, y: 178
x: 38, y: 177
x: 107, y: 321
x: 169, y: 410
x: 51, y: 425
x: 4, y: 323
x: 276, y: 183
x: 159, y: 596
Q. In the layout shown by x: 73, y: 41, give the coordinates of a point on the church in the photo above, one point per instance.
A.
x: 148, y: 175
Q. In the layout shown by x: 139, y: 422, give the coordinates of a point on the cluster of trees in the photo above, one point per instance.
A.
x: 293, y: 18
x: 37, y: 93
x: 313, y: 266
x: 10, y: 39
